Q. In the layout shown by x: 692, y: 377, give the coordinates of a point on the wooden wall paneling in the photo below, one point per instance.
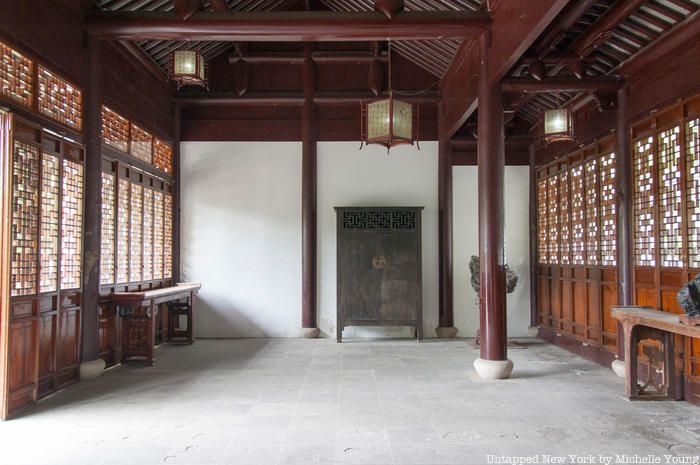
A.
x: 6, y: 137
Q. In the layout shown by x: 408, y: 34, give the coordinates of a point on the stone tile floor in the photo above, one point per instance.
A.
x: 290, y: 401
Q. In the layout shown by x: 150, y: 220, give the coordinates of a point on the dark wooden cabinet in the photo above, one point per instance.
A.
x: 379, y: 267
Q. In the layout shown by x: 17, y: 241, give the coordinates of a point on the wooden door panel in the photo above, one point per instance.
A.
x: 68, y: 338
x: 47, y: 352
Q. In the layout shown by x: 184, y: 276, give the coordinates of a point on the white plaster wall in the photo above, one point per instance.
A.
x: 241, y: 236
x: 466, y: 244
x: 370, y: 177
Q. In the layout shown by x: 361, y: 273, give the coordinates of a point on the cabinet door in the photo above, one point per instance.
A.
x: 398, y: 278
x: 359, y: 281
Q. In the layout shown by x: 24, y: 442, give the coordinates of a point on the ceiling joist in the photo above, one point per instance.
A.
x: 288, y: 26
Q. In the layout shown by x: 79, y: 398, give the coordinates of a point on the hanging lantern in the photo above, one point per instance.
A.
x: 558, y: 125
x: 187, y: 68
x: 389, y: 122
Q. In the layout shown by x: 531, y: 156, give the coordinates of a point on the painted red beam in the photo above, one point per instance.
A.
x: 294, y: 58
x: 296, y: 98
x: 533, y: 86
x: 587, y: 42
x: 288, y: 26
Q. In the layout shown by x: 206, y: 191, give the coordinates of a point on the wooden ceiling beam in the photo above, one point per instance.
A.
x: 533, y: 86
x: 298, y: 58
x: 295, y: 98
x: 563, y: 23
x: 592, y: 37
x: 287, y: 26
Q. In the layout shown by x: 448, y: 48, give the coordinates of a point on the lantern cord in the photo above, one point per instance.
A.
x: 389, y: 52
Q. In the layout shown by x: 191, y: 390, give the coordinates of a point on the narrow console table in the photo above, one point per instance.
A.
x: 638, y: 323
x: 139, y: 311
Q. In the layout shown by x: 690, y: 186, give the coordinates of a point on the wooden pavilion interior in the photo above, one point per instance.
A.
x: 121, y: 187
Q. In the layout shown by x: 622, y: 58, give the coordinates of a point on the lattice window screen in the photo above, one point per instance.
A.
x: 670, y: 236
x: 692, y: 155
x: 123, y: 218
x: 59, y: 100
x: 71, y: 224
x: 168, y: 236
x: 578, y: 217
x: 141, y: 144
x: 158, y: 230
x: 25, y: 219
x: 542, y: 221
x: 564, y: 231
x: 115, y: 130
x: 592, y: 218
x: 50, y: 198
x: 644, y: 203
x: 16, y: 75
x: 147, y: 234
x: 553, y: 219
x: 608, y: 220
x: 136, y: 233
x: 162, y: 156
x: 108, y: 233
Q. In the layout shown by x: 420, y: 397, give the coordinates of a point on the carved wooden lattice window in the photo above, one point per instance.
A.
x: 16, y: 75
x: 592, y: 219
x: 123, y: 218
x: 158, y: 229
x: 71, y: 224
x: 108, y: 225
x: 147, y: 234
x: 670, y: 236
x: 50, y: 198
x: 564, y: 231
x: 644, y: 203
x: 692, y: 156
x: 578, y: 217
x: 59, y: 100
x: 608, y: 220
x: 115, y: 130
x: 25, y: 219
x: 162, y: 156
x: 136, y: 233
x: 168, y: 236
x: 141, y: 144
x: 553, y: 219
x: 542, y: 220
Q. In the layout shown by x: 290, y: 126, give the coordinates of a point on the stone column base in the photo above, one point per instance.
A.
x: 92, y: 369
x: 493, y: 369
x: 446, y: 332
x: 309, y: 333
x: 618, y: 366
x: 533, y: 331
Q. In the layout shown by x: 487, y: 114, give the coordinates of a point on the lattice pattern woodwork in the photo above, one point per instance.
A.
x: 50, y: 208
x: 158, y: 231
x: 553, y: 219
x: 141, y: 144
x: 25, y: 219
x: 578, y: 216
x: 608, y: 220
x: 136, y: 233
x: 644, y: 203
x: 168, y: 235
x: 147, y: 234
x: 592, y: 219
x: 670, y: 235
x: 71, y: 224
x: 115, y: 130
x: 16, y: 76
x: 162, y: 156
x: 542, y: 221
x: 564, y: 220
x: 108, y: 233
x: 123, y: 218
x: 59, y: 100
x: 692, y: 156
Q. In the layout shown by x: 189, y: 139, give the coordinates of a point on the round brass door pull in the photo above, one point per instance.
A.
x: 378, y: 262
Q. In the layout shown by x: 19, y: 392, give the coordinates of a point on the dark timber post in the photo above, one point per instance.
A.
x: 533, y: 239
x: 493, y: 362
x: 91, y: 365
x: 177, y: 118
x: 446, y: 325
x: 623, y: 176
x: 308, y: 198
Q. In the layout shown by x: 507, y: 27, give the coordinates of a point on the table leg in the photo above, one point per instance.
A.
x: 631, y: 388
